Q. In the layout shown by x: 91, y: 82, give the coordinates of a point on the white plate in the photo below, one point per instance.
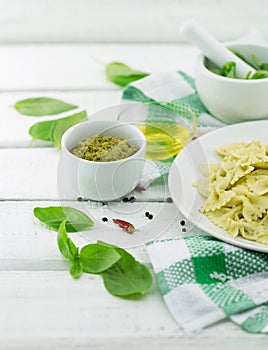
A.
x: 184, y: 172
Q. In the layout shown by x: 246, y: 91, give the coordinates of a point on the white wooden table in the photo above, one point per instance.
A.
x: 41, y: 306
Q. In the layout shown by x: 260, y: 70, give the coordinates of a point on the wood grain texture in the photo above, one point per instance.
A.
x: 27, y: 244
x: 124, y: 21
x: 14, y: 127
x: 49, y: 308
x: 74, y: 67
x: 41, y: 305
x: 32, y: 173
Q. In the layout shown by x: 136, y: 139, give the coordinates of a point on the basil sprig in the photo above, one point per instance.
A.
x: 121, y: 74
x: 42, y: 106
x: 75, y: 220
x: 52, y: 130
x: 123, y: 276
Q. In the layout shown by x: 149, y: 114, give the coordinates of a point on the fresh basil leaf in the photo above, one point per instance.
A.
x: 256, y: 62
x: 238, y: 54
x: 261, y: 66
x: 52, y: 130
x: 247, y: 76
x: 260, y: 74
x: 65, y: 244
x: 127, y: 277
x: 121, y: 74
x: 229, y: 70
x: 64, y: 124
x: 216, y: 71
x: 75, y: 220
x: 96, y: 258
x: 43, y: 131
x: 41, y: 106
x: 264, y: 66
x: 76, y: 269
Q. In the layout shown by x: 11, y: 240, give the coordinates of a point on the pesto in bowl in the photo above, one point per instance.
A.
x: 104, y: 149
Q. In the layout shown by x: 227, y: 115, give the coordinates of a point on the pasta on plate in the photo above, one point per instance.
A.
x: 236, y: 190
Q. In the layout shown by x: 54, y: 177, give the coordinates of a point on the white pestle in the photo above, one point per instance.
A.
x: 213, y: 49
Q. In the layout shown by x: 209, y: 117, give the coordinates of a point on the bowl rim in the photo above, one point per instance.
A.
x: 68, y: 133
x: 203, y: 69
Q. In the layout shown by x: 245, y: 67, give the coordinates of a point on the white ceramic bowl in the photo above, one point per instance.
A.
x: 100, y: 181
x: 234, y: 100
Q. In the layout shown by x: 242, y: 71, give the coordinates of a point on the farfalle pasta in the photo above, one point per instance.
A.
x: 236, y: 190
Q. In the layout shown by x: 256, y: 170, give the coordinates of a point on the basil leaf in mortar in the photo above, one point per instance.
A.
x: 65, y: 244
x: 96, y: 258
x: 229, y: 70
x: 238, y: 54
x: 41, y: 106
x: 76, y: 269
x: 53, y: 130
x: 121, y: 74
x: 260, y: 66
x: 75, y: 220
x: 127, y: 278
x: 260, y: 74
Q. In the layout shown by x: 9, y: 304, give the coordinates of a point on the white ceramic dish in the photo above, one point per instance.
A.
x: 234, y: 100
x: 184, y: 172
x: 101, y: 181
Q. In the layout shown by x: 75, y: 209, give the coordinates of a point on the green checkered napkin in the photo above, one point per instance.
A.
x: 204, y: 280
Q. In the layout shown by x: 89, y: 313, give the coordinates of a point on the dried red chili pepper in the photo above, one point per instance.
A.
x: 125, y: 225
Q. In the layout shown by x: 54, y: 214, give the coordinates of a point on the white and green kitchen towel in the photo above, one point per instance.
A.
x: 204, y: 280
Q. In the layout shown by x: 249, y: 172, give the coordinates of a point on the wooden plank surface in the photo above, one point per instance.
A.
x: 33, y: 174
x: 74, y: 67
x: 42, y: 307
x: 14, y: 126
x: 26, y: 244
x: 124, y: 21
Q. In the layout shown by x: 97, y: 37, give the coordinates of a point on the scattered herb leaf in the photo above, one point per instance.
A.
x: 43, y: 130
x: 127, y: 277
x: 75, y: 220
x: 42, y: 106
x: 96, y: 258
x: 121, y: 74
x: 76, y: 269
x: 52, y: 130
x: 65, y: 244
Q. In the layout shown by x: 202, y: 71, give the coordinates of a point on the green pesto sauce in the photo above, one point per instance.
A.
x: 103, y: 149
